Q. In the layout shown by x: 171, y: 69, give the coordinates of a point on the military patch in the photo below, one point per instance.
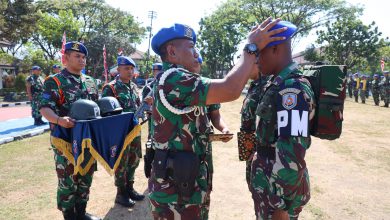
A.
x: 187, y: 31
x: 113, y: 151
x: 46, y: 96
x: 76, y: 47
x: 289, y: 100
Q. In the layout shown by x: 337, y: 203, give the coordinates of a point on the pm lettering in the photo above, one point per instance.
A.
x: 292, y: 123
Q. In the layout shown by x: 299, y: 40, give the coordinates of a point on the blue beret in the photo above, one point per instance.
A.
x: 291, y: 29
x: 122, y: 60
x: 55, y: 66
x: 157, y: 66
x: 177, y: 31
x: 35, y: 68
x: 376, y: 75
x: 200, y: 59
x: 76, y: 46
x: 385, y: 72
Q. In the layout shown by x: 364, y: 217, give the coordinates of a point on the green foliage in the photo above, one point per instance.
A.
x: 223, y: 30
x: 348, y: 41
x: 20, y: 82
x: 311, y: 54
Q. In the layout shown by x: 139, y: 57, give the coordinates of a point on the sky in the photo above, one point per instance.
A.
x: 190, y: 13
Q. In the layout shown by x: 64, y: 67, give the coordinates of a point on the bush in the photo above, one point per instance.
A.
x: 20, y: 82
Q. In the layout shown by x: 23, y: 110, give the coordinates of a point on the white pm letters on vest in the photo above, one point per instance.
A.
x: 299, y: 125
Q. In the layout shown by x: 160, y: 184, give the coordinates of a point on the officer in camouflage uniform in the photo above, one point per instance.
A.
x: 123, y: 89
x: 375, y: 89
x: 56, y: 69
x: 350, y: 85
x: 385, y: 84
x: 34, y: 88
x: 279, y: 177
x: 179, y: 179
x: 60, y: 91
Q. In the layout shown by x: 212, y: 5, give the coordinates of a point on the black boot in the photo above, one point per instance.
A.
x: 69, y: 215
x: 82, y: 215
x: 122, y: 198
x: 133, y: 194
x: 41, y: 122
x: 36, y: 122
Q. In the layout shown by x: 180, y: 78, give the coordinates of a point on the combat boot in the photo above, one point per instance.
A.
x: 123, y: 199
x: 82, y: 215
x: 386, y: 105
x: 36, y: 122
x: 134, y: 195
x: 69, y: 214
x: 41, y: 122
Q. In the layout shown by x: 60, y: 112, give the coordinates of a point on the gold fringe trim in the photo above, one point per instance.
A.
x: 65, y: 148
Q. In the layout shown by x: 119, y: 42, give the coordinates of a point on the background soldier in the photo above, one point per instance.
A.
x: 356, y: 88
x: 178, y: 183
x: 375, y: 89
x: 56, y: 69
x: 363, y: 88
x: 125, y: 91
x: 385, y: 83
x: 60, y: 92
x: 34, y: 89
x: 280, y: 180
x: 350, y: 85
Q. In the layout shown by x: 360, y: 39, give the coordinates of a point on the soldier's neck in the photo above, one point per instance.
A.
x: 127, y: 81
x: 73, y: 71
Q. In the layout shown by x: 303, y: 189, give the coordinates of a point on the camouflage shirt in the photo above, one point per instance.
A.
x: 248, y: 115
x: 36, y: 83
x: 126, y: 93
x: 285, y: 109
x: 185, y: 132
x: 63, y: 89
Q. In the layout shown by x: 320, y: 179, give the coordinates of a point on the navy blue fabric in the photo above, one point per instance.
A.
x: 291, y: 29
x: 36, y: 68
x: 107, y: 136
x: 122, y: 60
x: 76, y: 46
x: 177, y: 31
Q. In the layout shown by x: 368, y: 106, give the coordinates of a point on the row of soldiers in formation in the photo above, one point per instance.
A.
x: 361, y: 85
x: 183, y: 102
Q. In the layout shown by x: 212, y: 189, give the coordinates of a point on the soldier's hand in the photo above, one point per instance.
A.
x: 261, y: 36
x: 66, y: 122
x: 280, y: 214
x: 226, y: 139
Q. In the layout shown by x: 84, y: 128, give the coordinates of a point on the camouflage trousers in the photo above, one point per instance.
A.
x: 386, y: 96
x: 350, y: 91
x: 262, y: 191
x: 248, y: 167
x: 72, y: 189
x: 128, y: 163
x: 362, y: 94
x: 356, y: 94
x: 375, y: 95
x: 34, y: 107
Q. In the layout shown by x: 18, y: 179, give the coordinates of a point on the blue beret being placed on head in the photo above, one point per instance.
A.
x: 157, y: 66
x: 122, y: 60
x: 177, y: 31
x: 291, y: 29
x: 35, y: 68
x: 76, y: 46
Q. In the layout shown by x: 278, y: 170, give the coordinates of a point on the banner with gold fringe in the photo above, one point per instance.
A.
x: 104, y: 139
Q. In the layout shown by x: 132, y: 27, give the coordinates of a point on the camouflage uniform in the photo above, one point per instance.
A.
x: 375, y: 90
x: 146, y: 90
x: 385, y: 83
x: 128, y: 98
x: 248, y: 116
x: 73, y: 190
x: 350, y: 85
x: 177, y: 133
x: 356, y: 89
x: 362, y: 90
x: 36, y: 83
x: 279, y: 175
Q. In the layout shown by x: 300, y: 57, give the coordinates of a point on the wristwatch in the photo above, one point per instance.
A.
x: 251, y: 49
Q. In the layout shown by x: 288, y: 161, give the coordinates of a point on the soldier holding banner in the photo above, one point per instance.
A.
x: 124, y: 90
x: 60, y: 92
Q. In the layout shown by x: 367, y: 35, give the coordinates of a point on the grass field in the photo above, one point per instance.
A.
x: 350, y: 177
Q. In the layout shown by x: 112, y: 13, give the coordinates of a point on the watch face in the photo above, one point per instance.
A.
x: 252, y: 47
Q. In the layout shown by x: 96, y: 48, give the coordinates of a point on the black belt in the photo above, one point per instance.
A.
x: 268, y: 152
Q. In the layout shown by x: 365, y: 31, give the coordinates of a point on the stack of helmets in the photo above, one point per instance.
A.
x: 84, y: 109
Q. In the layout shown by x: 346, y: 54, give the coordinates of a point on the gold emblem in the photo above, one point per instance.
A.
x: 76, y: 46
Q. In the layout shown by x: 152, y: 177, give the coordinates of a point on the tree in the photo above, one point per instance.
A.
x: 223, y: 30
x: 348, y: 41
x: 311, y: 54
x: 17, y: 22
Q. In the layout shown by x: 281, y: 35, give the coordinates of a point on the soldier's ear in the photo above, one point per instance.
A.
x: 171, y: 50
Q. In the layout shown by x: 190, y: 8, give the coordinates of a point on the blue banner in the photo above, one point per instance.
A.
x: 103, y: 139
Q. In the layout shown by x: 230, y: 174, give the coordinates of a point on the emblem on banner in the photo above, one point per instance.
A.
x: 113, y: 151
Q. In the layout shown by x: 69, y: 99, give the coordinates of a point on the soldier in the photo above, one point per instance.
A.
x: 279, y: 177
x: 60, y: 92
x: 56, y: 69
x: 123, y: 89
x: 34, y: 89
x: 350, y: 85
x: 385, y: 83
x: 363, y: 88
x: 368, y: 86
x: 356, y: 88
x: 178, y: 184
x: 381, y: 93
x: 375, y: 89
